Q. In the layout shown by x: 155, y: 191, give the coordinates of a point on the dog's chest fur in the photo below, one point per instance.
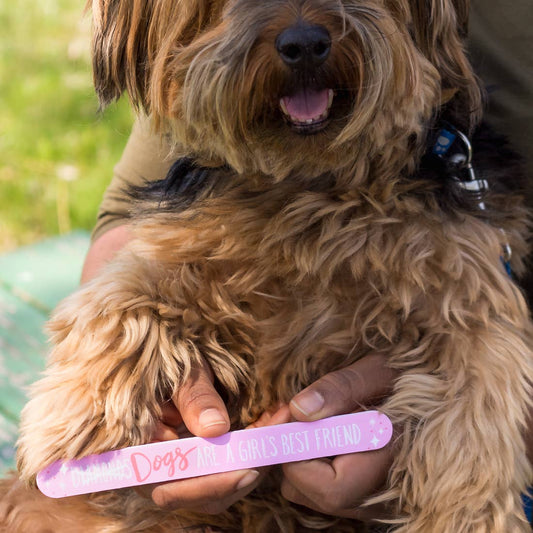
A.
x: 297, y: 283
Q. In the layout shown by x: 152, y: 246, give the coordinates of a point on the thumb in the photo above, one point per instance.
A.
x: 200, y: 405
x: 344, y: 391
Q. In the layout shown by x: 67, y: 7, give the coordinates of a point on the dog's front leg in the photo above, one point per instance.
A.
x: 122, y: 345
x: 462, y: 465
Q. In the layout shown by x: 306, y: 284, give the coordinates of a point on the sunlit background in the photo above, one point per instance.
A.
x: 57, y: 153
x: 56, y: 150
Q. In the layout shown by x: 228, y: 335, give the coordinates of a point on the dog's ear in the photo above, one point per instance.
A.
x: 130, y: 35
x: 120, y: 48
x: 440, y: 28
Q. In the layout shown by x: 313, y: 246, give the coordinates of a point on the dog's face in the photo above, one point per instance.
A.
x: 278, y: 86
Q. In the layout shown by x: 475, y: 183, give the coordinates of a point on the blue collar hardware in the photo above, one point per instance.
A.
x: 459, y: 162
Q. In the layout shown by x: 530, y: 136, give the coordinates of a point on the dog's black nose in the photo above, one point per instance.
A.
x: 304, y: 45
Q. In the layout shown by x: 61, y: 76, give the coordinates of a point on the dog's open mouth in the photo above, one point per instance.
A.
x: 307, y: 111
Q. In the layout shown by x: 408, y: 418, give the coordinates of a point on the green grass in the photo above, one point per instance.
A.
x: 57, y: 151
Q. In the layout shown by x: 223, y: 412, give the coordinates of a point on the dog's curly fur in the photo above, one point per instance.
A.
x: 295, y: 256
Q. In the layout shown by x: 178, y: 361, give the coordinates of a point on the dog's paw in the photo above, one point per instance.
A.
x: 114, y: 360
x: 66, y: 420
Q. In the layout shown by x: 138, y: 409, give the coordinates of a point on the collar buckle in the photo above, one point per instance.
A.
x: 458, y: 163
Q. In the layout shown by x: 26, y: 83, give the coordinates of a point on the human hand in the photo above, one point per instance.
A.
x: 339, y: 486
x: 197, y: 409
x: 335, y: 487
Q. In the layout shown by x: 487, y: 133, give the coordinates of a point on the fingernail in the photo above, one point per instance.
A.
x: 211, y: 417
x: 248, y: 479
x: 309, y: 402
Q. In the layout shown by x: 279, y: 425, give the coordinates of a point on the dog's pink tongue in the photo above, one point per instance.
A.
x: 306, y: 104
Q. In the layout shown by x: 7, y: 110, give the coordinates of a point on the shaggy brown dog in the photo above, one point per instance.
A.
x: 303, y: 231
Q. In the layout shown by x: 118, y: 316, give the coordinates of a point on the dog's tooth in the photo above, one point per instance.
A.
x: 283, y: 108
x: 330, y: 97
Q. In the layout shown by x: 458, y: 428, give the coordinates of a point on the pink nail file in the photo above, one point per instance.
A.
x: 196, y: 456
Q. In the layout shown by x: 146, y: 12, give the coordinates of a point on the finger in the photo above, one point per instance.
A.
x: 339, y: 486
x: 356, y: 475
x: 346, y: 390
x: 170, y: 414
x: 364, y: 513
x: 163, y: 432
x: 200, y: 406
x: 272, y: 418
x: 211, y: 494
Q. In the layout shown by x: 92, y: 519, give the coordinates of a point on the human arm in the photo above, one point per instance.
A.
x: 339, y: 486
x: 103, y: 249
x: 146, y: 157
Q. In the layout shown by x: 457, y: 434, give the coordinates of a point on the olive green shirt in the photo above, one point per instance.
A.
x: 146, y: 157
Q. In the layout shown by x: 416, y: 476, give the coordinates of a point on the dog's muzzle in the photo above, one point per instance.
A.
x: 303, y: 48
